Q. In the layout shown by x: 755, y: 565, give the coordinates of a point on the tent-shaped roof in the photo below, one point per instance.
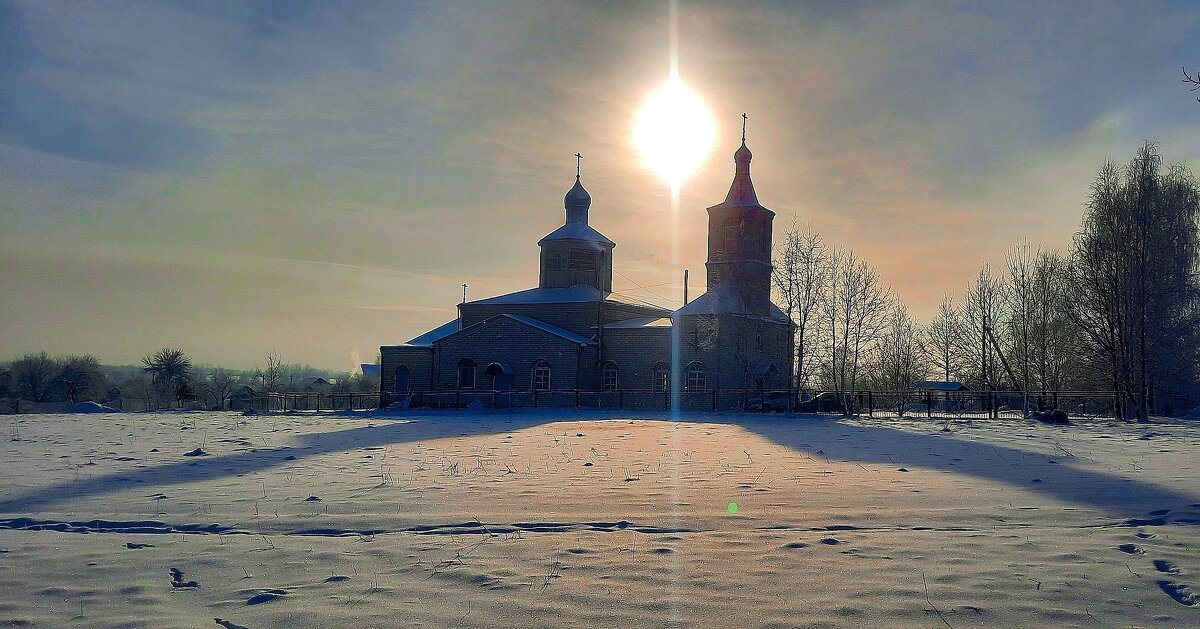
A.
x: 572, y: 294
x: 578, y: 231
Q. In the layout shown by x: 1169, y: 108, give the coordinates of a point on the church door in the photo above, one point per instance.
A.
x: 402, y: 379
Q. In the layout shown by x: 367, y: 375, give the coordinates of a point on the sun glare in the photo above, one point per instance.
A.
x: 674, y: 132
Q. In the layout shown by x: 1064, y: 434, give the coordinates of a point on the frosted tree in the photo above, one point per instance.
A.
x: 941, y: 340
x: 800, y: 273
x: 854, y: 306
x: 900, y: 360
x: 33, y: 376
x: 78, y: 375
x: 1134, y: 280
x: 981, y: 314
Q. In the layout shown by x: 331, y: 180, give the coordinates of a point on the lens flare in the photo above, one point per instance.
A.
x: 674, y: 132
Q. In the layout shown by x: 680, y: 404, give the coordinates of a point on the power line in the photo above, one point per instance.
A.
x: 630, y: 280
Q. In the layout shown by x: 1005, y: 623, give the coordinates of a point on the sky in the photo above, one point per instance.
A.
x: 318, y: 179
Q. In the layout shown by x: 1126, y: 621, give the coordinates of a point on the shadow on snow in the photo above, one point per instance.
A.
x: 1120, y: 496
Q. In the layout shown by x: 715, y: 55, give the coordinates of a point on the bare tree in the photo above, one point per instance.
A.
x: 219, y: 383
x: 1194, y: 81
x: 900, y: 361
x: 854, y: 306
x: 941, y: 340
x: 1021, y: 312
x: 981, y: 312
x: 800, y: 273
x: 34, y: 376
x: 273, y: 373
x: 1135, y: 287
x: 78, y: 375
x: 1053, y: 340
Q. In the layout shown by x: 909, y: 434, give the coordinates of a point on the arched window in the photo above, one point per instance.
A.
x: 696, y: 380
x: 662, y: 377
x: 541, y: 375
x: 609, y: 376
x: 402, y: 378
x: 466, y: 374
x: 498, y: 377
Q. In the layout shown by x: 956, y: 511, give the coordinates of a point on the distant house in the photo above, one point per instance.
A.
x: 940, y: 385
x: 944, y: 401
x: 241, y: 396
x: 370, y: 369
x: 315, y: 385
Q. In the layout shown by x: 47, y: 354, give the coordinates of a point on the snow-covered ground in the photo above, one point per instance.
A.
x: 557, y: 518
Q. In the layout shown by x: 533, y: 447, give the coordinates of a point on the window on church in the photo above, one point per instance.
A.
x: 696, y: 380
x: 662, y: 378
x: 609, y: 379
x: 583, y: 260
x: 731, y: 237
x: 466, y: 374
x: 541, y: 375
x: 557, y: 261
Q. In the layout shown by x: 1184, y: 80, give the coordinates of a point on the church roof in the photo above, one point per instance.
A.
x: 577, y: 197
x: 640, y: 323
x: 443, y: 330
x: 572, y: 294
x: 741, y: 191
x: 578, y: 231
x: 529, y: 321
x: 552, y: 329
x: 718, y: 301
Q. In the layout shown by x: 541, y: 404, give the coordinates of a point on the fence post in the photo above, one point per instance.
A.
x: 535, y: 398
x: 621, y: 399
x: 576, y: 399
x: 870, y: 405
x: 714, y: 400
x: 929, y: 403
x: 457, y: 399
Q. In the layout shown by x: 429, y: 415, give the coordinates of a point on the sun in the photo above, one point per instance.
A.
x: 674, y: 132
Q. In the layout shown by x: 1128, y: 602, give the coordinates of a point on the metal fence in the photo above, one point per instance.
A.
x: 911, y: 403
x: 940, y: 404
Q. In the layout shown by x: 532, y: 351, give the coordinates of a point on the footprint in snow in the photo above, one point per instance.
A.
x: 1165, y: 566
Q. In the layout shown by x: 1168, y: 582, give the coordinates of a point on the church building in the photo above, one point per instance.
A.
x: 573, y: 334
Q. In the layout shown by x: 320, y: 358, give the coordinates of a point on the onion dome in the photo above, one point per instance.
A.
x: 577, y: 203
x: 741, y: 192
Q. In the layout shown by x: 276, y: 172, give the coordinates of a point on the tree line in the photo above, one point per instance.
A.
x: 166, y: 378
x: 1117, y: 311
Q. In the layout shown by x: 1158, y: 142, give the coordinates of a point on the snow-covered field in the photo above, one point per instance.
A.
x: 557, y: 518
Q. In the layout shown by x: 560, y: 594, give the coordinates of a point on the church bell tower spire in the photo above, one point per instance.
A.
x: 739, y: 239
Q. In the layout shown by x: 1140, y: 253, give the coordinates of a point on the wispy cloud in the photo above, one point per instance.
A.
x: 323, y: 177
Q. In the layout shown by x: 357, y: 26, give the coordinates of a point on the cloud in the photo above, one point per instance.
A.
x: 325, y: 177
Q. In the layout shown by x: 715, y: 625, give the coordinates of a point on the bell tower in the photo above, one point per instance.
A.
x: 739, y: 240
